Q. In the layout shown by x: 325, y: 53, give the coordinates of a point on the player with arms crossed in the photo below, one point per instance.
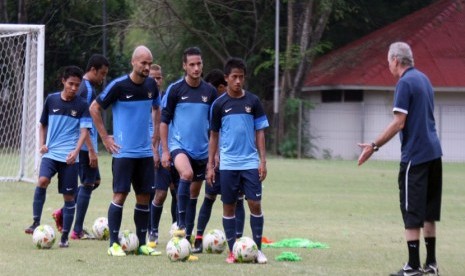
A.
x: 237, y: 124
x: 63, y: 129
x: 186, y: 112
x: 132, y: 97
x: 420, y: 173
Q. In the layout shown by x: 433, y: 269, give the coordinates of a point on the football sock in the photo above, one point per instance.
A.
x: 430, y: 250
x: 141, y: 216
x: 190, y: 217
x: 155, y: 213
x: 414, y: 253
x: 149, y: 221
x: 68, y: 217
x: 204, y: 215
x: 38, y: 203
x: 115, y: 215
x: 240, y: 217
x: 183, y: 201
x: 174, y: 207
x: 256, y: 223
x: 229, y: 225
x: 82, y: 203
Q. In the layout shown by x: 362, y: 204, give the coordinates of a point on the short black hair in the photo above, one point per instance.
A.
x: 234, y: 63
x: 191, y: 51
x: 216, y: 78
x: 72, y: 71
x: 97, y: 61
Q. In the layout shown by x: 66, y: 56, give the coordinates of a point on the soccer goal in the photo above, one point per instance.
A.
x: 21, y: 100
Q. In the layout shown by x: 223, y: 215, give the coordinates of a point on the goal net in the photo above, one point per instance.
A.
x: 21, y: 100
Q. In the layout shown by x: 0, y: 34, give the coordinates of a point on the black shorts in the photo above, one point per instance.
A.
x: 87, y: 174
x: 67, y: 174
x: 198, y: 166
x: 138, y: 171
x: 420, y: 192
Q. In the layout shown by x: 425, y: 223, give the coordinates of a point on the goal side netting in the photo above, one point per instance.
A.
x: 21, y: 100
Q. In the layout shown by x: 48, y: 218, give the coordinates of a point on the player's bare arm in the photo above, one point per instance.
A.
x: 156, y: 118
x: 260, y: 140
x: 42, y: 139
x: 72, y: 156
x: 396, y: 125
x: 165, y: 156
x: 212, y: 153
x: 96, y: 112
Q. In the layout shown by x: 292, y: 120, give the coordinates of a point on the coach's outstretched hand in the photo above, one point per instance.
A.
x: 367, y: 151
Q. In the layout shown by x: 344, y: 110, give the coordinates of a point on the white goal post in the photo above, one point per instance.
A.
x: 21, y: 100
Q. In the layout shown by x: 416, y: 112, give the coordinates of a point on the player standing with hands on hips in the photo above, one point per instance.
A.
x: 132, y: 97
x: 420, y: 173
x: 238, y: 124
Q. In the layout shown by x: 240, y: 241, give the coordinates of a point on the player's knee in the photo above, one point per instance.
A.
x: 43, y: 182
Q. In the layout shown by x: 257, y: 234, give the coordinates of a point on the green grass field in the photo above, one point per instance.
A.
x: 352, y: 209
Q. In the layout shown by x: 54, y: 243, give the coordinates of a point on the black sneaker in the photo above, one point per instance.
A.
x: 431, y: 268
x: 153, y: 240
x: 408, y: 271
x: 198, y: 246
x: 31, y: 228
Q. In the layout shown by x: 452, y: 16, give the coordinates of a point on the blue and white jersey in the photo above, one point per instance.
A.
x: 64, y: 120
x: 186, y: 111
x: 237, y: 120
x: 88, y: 92
x: 414, y: 97
x: 131, y: 108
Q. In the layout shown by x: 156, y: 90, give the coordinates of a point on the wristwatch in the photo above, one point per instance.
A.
x: 374, y: 146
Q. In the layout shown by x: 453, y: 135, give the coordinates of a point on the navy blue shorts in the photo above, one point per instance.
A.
x: 164, y: 178
x: 216, y: 188
x: 87, y: 174
x: 420, y: 192
x: 138, y: 171
x: 198, y: 166
x: 67, y: 174
x: 235, y: 181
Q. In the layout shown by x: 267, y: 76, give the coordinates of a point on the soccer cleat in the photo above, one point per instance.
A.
x: 261, y: 258
x: 230, y: 259
x: 64, y: 244
x: 198, y: 247
x: 192, y: 258
x: 84, y: 235
x: 31, y: 228
x: 153, y: 240
x: 58, y: 217
x: 116, y: 250
x: 180, y: 233
x: 147, y: 251
x: 407, y: 270
x: 431, y: 268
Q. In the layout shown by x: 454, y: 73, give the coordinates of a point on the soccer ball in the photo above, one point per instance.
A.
x: 128, y: 241
x: 245, y: 250
x: 43, y: 237
x: 100, y: 229
x: 214, y: 241
x: 173, y: 228
x: 178, y: 249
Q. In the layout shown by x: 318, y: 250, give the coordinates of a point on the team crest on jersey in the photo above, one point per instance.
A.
x: 248, y: 109
x: 204, y: 99
x: 149, y: 94
x: 73, y: 113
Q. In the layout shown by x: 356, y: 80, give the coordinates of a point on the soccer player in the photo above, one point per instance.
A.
x: 164, y: 179
x: 132, y: 97
x: 63, y: 129
x: 186, y: 108
x: 89, y: 174
x: 216, y: 78
x: 420, y: 173
x: 237, y: 126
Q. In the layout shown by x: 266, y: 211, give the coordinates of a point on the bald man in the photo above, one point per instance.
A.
x: 133, y: 98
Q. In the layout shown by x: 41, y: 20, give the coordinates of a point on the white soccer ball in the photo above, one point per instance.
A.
x: 214, y: 241
x: 178, y: 249
x: 173, y: 228
x: 245, y: 250
x: 128, y: 241
x: 43, y: 236
x: 100, y: 229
